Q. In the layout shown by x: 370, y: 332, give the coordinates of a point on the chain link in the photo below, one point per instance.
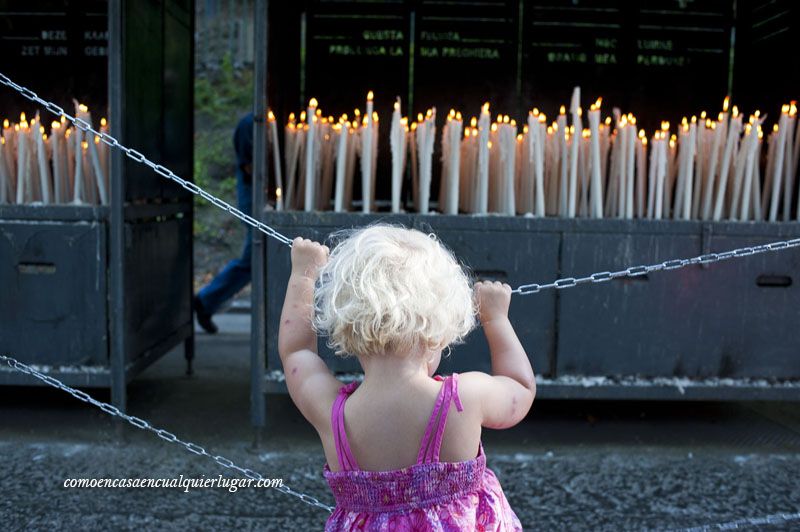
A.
x: 674, y: 264
x: 161, y: 433
x: 138, y: 157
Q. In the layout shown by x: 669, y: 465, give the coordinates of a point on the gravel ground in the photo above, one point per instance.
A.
x: 569, y: 466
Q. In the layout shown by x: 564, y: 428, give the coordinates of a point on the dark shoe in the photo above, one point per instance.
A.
x: 204, y: 318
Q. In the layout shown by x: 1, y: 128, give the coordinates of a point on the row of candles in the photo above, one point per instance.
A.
x: 64, y: 166
x: 708, y: 168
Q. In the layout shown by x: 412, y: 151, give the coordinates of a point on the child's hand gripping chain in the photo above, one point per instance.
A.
x: 307, y: 376
x: 507, y: 395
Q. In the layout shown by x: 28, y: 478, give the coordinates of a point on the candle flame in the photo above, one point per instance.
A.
x: 702, y: 115
x: 369, y: 96
x: 665, y: 125
x: 725, y: 103
x: 41, y: 129
x: 519, y: 137
x: 473, y: 122
x: 22, y: 117
x: 55, y: 125
x: 505, y: 119
x: 5, y: 123
x: 84, y: 145
x: 278, y: 193
x: 719, y: 117
x: 608, y: 120
x: 542, y: 118
x: 775, y: 128
x: 63, y: 119
x: 458, y: 116
x: 303, y: 116
x: 485, y: 108
x: 757, y: 113
x: 598, y: 102
x: 785, y: 109
x: 735, y: 111
x: 270, y: 116
x: 562, y: 110
x: 494, y: 127
x: 96, y: 139
x: 413, y: 126
x: 549, y: 130
x: 489, y: 144
x: 313, y: 103
x: 103, y: 122
x: 420, y: 118
x: 535, y: 111
x: 82, y: 108
x: 641, y: 133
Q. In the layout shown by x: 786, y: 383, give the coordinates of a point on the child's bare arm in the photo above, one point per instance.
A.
x: 307, y: 376
x: 507, y: 394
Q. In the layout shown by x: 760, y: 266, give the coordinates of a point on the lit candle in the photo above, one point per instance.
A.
x: 483, y: 160
x: 730, y: 143
x: 310, y: 155
x: 43, y: 163
x: 783, y: 126
x: 342, y: 131
x: 276, y: 160
x: 788, y: 163
x: 641, y: 169
x: 397, y: 143
x: 563, y: 136
x: 367, y: 155
x: 597, y: 190
x: 100, y: 177
x: 708, y: 193
x: 750, y: 162
x: 454, y: 129
x: 23, y: 170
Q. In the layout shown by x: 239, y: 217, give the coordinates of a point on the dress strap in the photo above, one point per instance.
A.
x: 343, y: 453
x: 431, y: 443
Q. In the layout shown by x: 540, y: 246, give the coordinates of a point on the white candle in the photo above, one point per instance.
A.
x: 687, y: 189
x: 43, y: 163
x: 730, y: 143
x: 22, y: 161
x: 777, y: 175
x: 661, y: 173
x: 597, y: 187
x: 538, y: 164
x: 630, y: 167
x: 575, y: 111
x: 341, y: 131
x: 708, y: 193
x: 5, y: 179
x: 367, y: 156
x: 276, y: 160
x: 641, y: 169
x: 750, y: 162
x: 483, y: 159
x: 454, y: 129
x: 310, y: 155
x: 100, y: 177
x: 397, y: 143
x: 788, y: 164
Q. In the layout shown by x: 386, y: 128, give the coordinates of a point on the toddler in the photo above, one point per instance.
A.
x: 403, y: 447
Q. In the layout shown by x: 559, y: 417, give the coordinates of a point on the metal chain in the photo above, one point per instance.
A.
x: 161, y: 433
x: 134, y: 155
x: 525, y: 289
x: 674, y: 264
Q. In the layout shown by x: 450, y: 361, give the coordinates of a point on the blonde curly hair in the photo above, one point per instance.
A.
x: 386, y: 288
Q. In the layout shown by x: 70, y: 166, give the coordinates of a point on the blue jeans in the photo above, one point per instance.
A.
x: 236, y: 274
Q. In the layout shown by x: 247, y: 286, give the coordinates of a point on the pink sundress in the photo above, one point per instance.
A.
x: 429, y: 495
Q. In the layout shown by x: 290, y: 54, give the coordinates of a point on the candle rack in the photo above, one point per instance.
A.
x: 93, y: 294
x: 706, y: 332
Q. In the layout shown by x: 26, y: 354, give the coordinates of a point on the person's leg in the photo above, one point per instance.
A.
x: 234, y: 276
